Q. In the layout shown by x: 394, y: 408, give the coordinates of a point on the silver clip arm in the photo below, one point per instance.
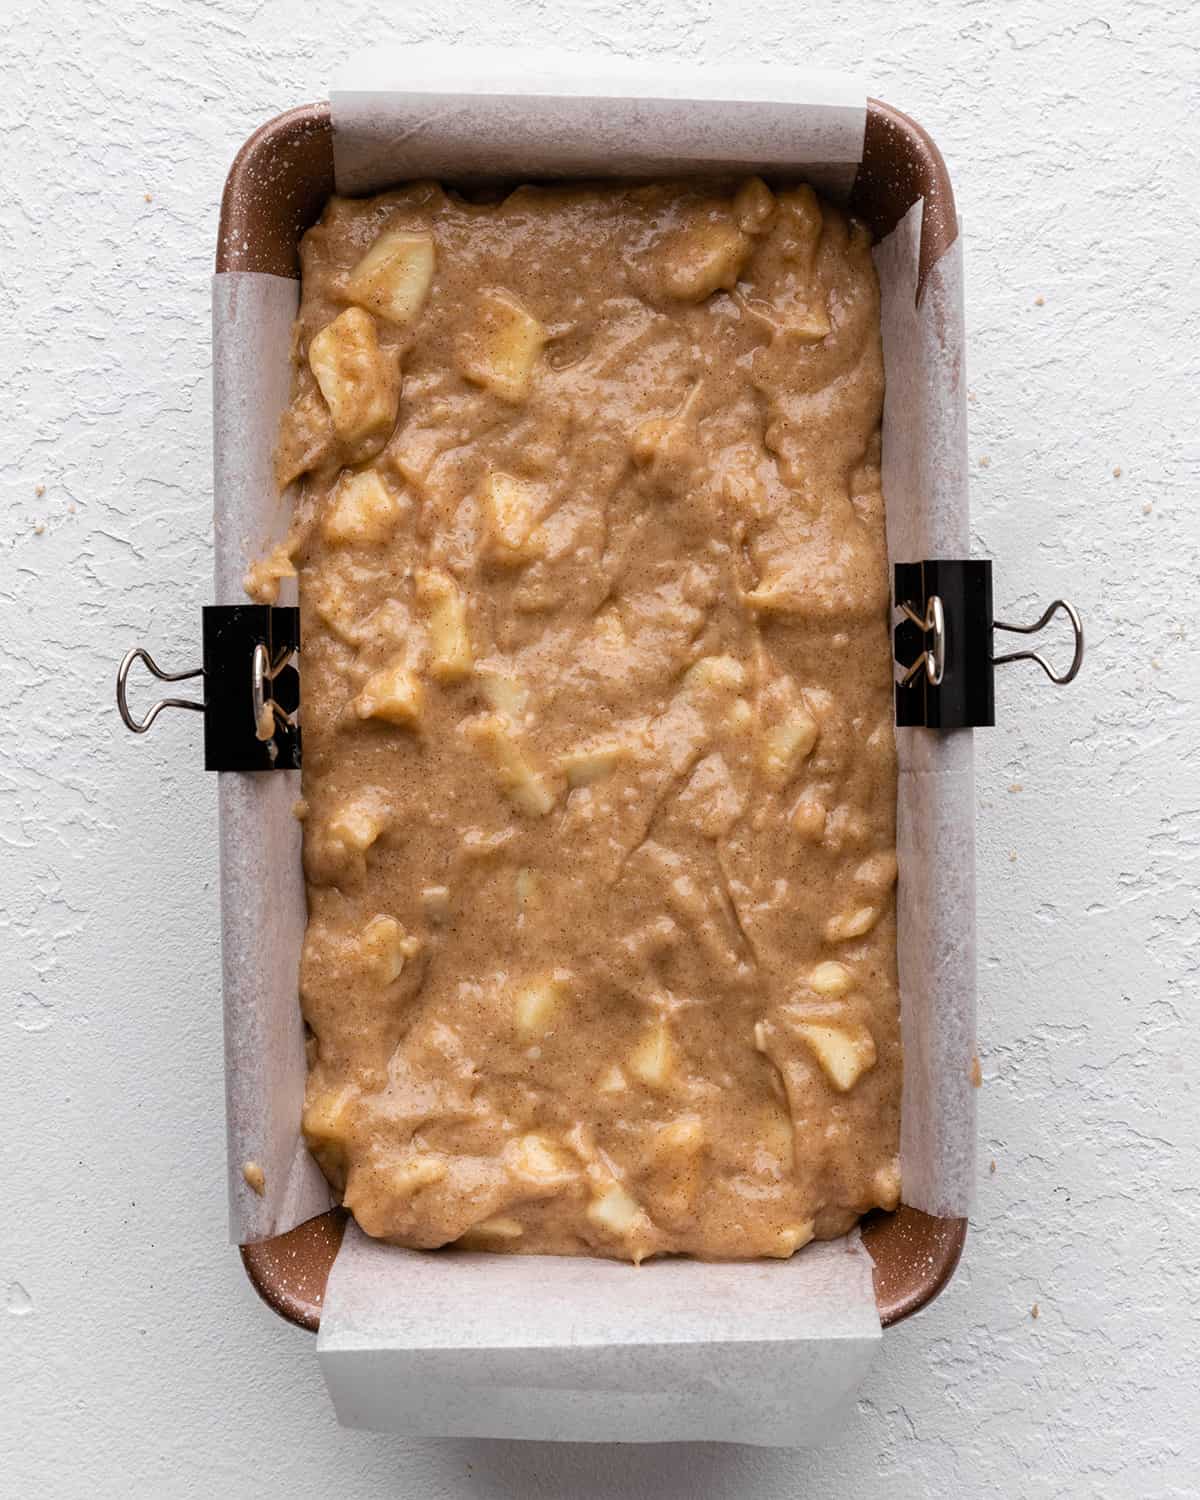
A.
x: 1076, y: 625
x: 263, y: 672
x: 933, y: 658
x: 140, y: 726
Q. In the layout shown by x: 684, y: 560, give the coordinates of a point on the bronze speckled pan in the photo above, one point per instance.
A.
x: 276, y: 189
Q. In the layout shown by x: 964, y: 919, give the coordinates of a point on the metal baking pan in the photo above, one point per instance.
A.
x: 276, y: 188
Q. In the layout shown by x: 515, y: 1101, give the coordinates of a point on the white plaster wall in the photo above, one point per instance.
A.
x: 135, y: 1357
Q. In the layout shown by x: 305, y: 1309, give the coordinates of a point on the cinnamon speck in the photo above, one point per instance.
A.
x: 148, y: 197
x: 71, y: 507
x: 255, y: 1179
x: 1012, y: 856
x: 976, y: 1073
x: 1039, y: 302
x: 39, y: 528
x: 1117, y: 472
x: 1016, y: 787
x: 985, y: 462
x: 1147, y: 508
x: 1035, y: 1311
x: 992, y: 1167
x: 39, y: 490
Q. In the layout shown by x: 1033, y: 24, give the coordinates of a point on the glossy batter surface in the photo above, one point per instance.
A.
x: 599, y: 772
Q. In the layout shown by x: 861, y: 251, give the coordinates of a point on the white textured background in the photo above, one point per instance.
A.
x: 135, y: 1357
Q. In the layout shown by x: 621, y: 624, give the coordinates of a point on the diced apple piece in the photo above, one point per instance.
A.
x: 704, y: 257
x: 844, y: 1053
x: 878, y: 871
x: 651, y: 1060
x: 326, y: 1115
x: 359, y: 381
x: 538, y: 1160
x: 418, y: 1171
x: 413, y: 452
x: 677, y: 1149
x: 754, y: 206
x: 584, y: 766
x: 498, y: 1228
x: 851, y: 924
x: 808, y: 323
x: 364, y: 510
x: 355, y: 826
x: 740, y: 716
x: 776, y: 1134
x: 611, y: 1081
x: 778, y: 596
x: 720, y: 674
x: 786, y: 744
x: 392, y: 279
x: 712, y: 685
x: 792, y: 1237
x: 500, y: 353
x: 389, y: 624
x: 503, y: 693
x: 384, y: 946
x: 435, y: 899
x: 830, y: 978
x: 846, y: 825
x: 799, y: 225
x: 613, y: 1210
x: 886, y: 1184
x: 536, y: 1004
x: 262, y: 579
x: 528, y: 888
x: 667, y: 445
x: 525, y: 786
x: 808, y: 819
x: 393, y: 693
x: 681, y: 1139
x: 510, y: 517
x: 451, y: 657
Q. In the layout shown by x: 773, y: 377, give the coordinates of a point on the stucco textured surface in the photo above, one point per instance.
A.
x: 134, y: 1357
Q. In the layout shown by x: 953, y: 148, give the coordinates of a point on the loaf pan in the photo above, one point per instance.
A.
x: 276, y: 189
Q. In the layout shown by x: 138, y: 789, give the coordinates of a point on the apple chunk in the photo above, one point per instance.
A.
x: 359, y: 381
x: 393, y: 278
x: 364, y: 511
x: 393, y: 694
x: 449, y: 639
x: 501, y: 351
x: 844, y: 1053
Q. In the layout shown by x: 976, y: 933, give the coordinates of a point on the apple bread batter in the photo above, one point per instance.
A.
x: 599, y: 775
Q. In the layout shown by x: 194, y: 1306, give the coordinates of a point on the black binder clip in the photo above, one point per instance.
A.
x: 943, y: 644
x: 251, y: 701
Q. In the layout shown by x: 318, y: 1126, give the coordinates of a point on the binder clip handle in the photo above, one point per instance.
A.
x: 1072, y: 614
x: 140, y: 726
